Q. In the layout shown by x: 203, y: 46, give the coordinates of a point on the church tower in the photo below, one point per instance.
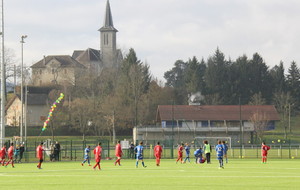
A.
x: 108, y: 38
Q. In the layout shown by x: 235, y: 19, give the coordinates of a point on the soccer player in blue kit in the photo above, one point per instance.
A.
x: 139, y: 154
x: 220, y: 153
x: 86, y: 155
x: 225, y: 147
x: 187, y: 153
x: 198, y: 155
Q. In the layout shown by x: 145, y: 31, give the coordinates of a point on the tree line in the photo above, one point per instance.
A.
x: 126, y: 96
x: 232, y: 82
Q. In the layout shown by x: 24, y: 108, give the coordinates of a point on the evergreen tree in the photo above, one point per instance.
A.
x: 239, y: 72
x: 259, y: 78
x: 278, y: 78
x: 293, y: 81
x: 194, y: 76
x: 216, y: 76
x: 176, y: 79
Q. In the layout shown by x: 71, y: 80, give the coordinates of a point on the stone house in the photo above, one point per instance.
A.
x: 36, y: 114
x: 56, y: 69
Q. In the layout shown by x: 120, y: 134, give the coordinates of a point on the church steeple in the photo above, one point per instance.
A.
x: 108, y: 21
x: 108, y: 38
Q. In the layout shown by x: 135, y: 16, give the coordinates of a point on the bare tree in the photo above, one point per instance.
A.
x: 282, y: 102
x: 257, y: 99
x: 82, y: 115
x: 212, y: 99
x: 260, y: 122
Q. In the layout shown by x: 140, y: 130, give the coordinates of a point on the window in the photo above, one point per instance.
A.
x: 105, y: 39
x: 65, y: 71
x: 204, y: 123
x: 40, y: 71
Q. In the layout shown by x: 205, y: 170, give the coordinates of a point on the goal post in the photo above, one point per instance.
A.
x: 212, y: 140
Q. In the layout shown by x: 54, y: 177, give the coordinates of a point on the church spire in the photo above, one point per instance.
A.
x: 108, y: 21
x: 108, y: 39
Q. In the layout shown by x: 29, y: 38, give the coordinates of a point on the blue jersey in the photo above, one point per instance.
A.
x: 187, y: 150
x: 86, y: 153
x: 139, y: 151
x: 220, y: 150
x: 198, y: 152
x: 225, y: 147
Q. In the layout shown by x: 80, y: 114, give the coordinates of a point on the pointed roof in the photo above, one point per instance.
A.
x: 87, y: 55
x: 32, y: 99
x: 108, y: 21
x: 65, y: 61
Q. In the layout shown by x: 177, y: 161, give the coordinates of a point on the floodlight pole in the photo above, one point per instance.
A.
x: 241, y: 130
x: 2, y: 130
x: 22, y: 83
x: 172, y: 145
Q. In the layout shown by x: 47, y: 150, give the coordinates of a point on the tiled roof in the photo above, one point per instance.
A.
x: 35, y: 99
x: 64, y: 60
x: 32, y: 99
x: 214, y: 112
x: 87, y: 55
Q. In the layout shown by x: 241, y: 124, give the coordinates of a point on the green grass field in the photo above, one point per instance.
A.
x: 238, y: 174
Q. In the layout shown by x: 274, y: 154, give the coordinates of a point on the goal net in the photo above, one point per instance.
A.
x: 212, y: 140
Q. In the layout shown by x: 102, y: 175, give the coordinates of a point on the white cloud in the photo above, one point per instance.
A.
x: 160, y: 31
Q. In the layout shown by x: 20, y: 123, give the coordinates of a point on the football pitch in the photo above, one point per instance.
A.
x: 238, y: 174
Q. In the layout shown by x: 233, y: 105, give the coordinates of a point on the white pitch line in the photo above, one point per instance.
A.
x: 3, y: 175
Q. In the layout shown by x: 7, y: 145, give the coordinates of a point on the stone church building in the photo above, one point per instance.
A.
x: 66, y: 69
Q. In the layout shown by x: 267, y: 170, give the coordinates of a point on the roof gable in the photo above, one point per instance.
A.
x: 87, y: 55
x: 63, y: 60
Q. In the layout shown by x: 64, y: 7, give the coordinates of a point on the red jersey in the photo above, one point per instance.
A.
x: 10, y: 152
x: 264, y: 149
x: 180, y: 150
x: 3, y: 152
x: 118, y: 150
x: 157, y: 150
x: 39, y: 152
x: 97, y: 153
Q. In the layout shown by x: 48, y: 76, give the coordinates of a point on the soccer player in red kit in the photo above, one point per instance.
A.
x: 264, y: 152
x: 119, y: 153
x: 39, y: 155
x: 180, y: 153
x: 10, y: 155
x: 97, y: 153
x: 157, y: 153
x: 3, y: 155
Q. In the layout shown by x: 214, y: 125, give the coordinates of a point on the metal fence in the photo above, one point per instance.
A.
x: 74, y: 151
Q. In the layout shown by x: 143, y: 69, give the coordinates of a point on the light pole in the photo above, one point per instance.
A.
x: 3, y: 85
x: 22, y: 82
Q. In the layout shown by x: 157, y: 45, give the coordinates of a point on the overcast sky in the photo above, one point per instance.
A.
x: 160, y: 31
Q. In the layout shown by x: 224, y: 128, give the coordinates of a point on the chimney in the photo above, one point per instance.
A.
x: 44, y: 61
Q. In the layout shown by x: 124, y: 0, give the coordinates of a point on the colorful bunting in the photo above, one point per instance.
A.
x: 52, y: 109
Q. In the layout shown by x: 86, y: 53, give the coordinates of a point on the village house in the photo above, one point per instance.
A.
x: 36, y: 106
